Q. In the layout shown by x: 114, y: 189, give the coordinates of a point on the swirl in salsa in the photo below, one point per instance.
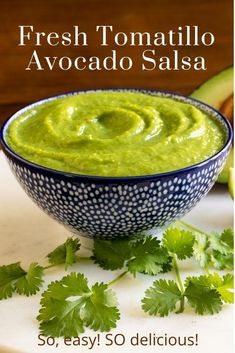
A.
x: 115, y: 133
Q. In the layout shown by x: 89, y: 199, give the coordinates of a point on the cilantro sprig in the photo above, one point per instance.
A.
x: 145, y: 255
x: 205, y: 294
x: 70, y: 305
x: 164, y: 296
x: 14, y: 279
x: 213, y: 249
x: 179, y: 242
x: 161, y: 298
x: 65, y: 253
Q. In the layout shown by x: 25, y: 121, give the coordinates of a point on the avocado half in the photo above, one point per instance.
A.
x: 218, y: 92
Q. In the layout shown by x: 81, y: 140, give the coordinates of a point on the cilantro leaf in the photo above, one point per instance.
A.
x: 215, y: 249
x: 146, y: 264
x: 147, y: 256
x: 31, y: 281
x: 227, y: 237
x: 201, y: 297
x: 225, y: 289
x: 143, y: 255
x: 8, y: 275
x: 222, y: 250
x: 111, y: 254
x: 222, y: 261
x: 69, y: 304
x: 59, y: 316
x: 218, y: 245
x: 200, y: 247
x: 213, y: 279
x: 167, y: 266
x: 99, y: 310
x: 13, y: 278
x: 65, y: 253
x: 179, y: 242
x: 224, y: 285
x: 161, y: 298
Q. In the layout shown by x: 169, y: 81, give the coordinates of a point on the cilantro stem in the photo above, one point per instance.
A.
x: 78, y: 259
x: 193, y: 228
x: 180, y: 283
x: 206, y: 270
x: 117, y: 278
x: 177, y: 272
x: 49, y: 266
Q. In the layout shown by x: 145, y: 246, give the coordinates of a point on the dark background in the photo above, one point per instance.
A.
x: 19, y: 87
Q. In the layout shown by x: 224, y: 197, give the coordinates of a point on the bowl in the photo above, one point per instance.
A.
x: 117, y: 207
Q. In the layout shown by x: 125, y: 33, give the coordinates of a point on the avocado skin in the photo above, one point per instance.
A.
x: 214, y: 92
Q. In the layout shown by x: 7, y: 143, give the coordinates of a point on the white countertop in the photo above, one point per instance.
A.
x: 27, y: 234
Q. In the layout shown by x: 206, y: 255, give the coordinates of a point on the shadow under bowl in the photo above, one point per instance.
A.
x: 116, y: 207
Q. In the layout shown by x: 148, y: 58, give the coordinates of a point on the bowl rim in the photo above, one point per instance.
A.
x: 168, y: 94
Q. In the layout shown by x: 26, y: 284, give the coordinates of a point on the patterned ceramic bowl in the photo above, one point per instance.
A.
x: 114, y: 207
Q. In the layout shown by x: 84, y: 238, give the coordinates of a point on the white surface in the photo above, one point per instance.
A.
x: 27, y: 234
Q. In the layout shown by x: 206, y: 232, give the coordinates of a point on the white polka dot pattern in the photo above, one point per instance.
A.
x: 106, y: 210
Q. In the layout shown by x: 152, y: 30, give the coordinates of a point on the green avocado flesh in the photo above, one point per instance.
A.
x: 224, y: 175
x: 214, y: 92
x: 111, y: 133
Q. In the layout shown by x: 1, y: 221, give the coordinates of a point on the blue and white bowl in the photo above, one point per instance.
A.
x: 116, y: 207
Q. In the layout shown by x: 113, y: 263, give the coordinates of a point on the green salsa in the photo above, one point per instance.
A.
x: 111, y: 133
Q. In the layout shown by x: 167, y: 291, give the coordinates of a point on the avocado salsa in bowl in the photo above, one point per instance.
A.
x: 113, y: 163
